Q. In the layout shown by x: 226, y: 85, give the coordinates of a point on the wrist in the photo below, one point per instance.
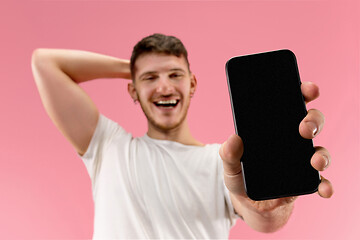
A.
x: 123, y: 69
x: 266, y: 216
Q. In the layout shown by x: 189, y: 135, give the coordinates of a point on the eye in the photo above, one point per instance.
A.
x: 150, y: 77
x: 176, y: 75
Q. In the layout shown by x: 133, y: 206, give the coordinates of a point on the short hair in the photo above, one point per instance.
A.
x: 158, y: 43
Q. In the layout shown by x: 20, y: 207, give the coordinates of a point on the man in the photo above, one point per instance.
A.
x: 165, y: 184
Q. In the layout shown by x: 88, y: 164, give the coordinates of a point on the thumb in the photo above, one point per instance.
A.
x: 231, y: 152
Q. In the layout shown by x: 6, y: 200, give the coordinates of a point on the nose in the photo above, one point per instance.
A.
x: 164, y: 86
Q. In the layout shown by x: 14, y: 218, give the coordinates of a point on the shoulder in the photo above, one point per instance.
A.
x: 108, y: 130
x: 109, y: 125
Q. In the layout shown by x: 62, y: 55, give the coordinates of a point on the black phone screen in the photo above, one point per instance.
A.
x: 268, y: 107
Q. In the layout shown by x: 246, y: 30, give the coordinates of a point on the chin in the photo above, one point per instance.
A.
x: 165, y: 123
x: 165, y: 126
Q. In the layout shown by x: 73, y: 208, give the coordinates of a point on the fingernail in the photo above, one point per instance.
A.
x: 327, y: 161
x: 312, y: 126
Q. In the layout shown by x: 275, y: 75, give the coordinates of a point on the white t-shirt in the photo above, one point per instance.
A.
x: 148, y: 188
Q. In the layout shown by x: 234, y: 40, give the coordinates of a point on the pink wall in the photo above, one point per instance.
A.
x: 44, y: 188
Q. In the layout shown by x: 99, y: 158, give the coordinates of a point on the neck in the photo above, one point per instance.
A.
x: 180, y: 134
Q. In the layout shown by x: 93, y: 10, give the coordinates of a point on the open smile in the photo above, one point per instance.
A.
x: 167, y: 104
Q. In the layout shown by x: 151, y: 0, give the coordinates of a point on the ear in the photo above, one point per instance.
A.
x: 193, y: 84
x: 132, y: 91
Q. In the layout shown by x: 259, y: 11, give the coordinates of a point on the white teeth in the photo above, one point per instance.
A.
x: 167, y: 102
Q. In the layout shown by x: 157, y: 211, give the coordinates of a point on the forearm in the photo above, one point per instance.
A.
x: 83, y: 66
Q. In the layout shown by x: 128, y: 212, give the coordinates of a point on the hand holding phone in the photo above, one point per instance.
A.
x: 268, y: 107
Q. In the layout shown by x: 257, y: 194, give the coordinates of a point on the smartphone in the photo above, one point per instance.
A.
x: 268, y: 107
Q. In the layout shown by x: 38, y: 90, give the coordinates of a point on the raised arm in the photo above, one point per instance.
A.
x: 57, y: 73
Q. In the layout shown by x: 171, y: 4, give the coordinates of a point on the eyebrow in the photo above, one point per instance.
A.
x: 153, y: 72
x: 177, y: 69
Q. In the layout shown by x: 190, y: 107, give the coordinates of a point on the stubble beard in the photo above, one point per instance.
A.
x: 163, y: 127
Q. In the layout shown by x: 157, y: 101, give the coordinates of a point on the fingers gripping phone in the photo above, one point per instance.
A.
x: 268, y: 107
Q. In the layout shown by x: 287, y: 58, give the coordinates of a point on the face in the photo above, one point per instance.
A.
x: 163, y: 85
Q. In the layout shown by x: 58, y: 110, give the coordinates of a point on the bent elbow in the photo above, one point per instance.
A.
x: 38, y: 56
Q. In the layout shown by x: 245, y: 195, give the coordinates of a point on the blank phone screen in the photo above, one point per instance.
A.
x: 268, y: 107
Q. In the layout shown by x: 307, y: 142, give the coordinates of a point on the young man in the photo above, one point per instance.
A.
x: 165, y: 184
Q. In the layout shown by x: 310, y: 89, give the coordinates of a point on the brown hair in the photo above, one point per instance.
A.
x: 158, y: 43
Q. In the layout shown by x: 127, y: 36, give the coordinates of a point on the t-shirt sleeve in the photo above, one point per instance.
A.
x: 104, y: 132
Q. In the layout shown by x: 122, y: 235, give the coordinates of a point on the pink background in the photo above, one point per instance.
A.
x: 45, y: 191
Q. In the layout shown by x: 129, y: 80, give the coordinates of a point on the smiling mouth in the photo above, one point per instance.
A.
x: 167, y: 103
